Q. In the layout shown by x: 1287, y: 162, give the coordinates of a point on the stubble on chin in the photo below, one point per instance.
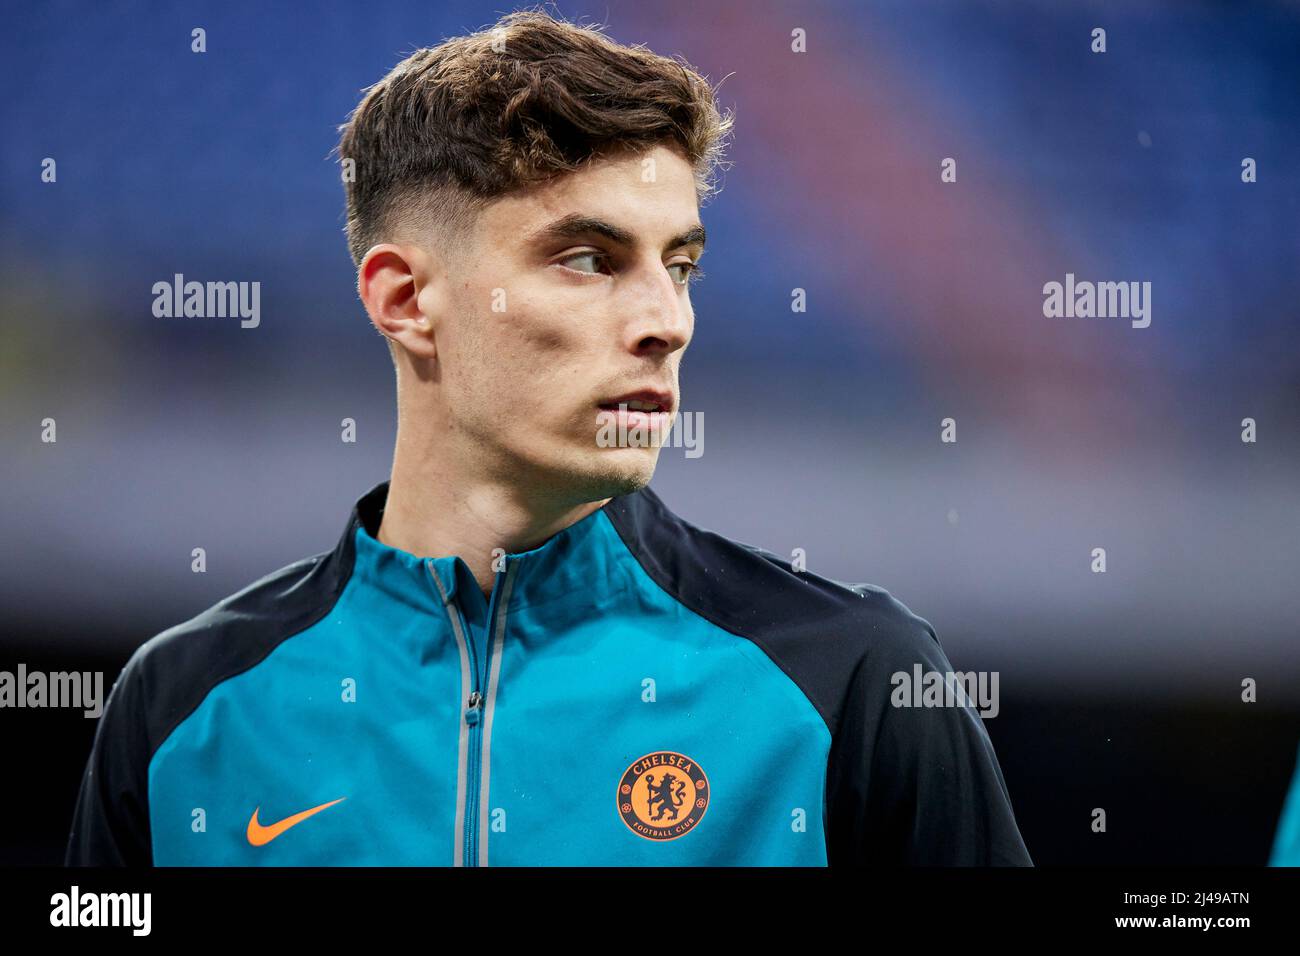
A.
x: 611, y: 481
x: 605, y: 477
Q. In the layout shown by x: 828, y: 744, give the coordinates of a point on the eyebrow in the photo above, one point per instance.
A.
x: 575, y: 225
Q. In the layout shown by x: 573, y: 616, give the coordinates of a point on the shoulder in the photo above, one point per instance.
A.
x: 827, y: 635
x: 168, y: 676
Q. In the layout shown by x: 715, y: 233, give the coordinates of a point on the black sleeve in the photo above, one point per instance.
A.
x: 915, y: 785
x: 110, y: 825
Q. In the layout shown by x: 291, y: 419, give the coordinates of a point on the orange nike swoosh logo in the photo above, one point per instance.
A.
x: 259, y: 835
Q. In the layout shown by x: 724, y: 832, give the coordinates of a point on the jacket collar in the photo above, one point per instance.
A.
x: 578, y: 560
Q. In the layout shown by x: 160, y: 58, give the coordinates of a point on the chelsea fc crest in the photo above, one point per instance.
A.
x: 663, y: 795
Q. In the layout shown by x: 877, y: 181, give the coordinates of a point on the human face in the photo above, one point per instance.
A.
x: 571, y: 297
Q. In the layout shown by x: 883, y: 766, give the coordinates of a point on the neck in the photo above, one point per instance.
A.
x: 434, y: 510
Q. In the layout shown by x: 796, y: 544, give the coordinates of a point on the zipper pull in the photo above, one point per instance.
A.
x: 473, y: 711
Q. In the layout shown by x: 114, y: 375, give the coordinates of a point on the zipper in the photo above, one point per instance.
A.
x: 468, y: 722
x: 476, y: 710
x: 480, y: 719
x: 472, y: 714
x: 495, y: 635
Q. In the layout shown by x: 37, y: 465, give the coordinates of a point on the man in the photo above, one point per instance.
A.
x: 517, y: 654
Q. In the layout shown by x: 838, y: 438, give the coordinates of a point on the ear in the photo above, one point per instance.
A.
x: 394, y: 281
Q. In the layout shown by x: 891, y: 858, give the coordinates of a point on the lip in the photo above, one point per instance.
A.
x: 650, y: 395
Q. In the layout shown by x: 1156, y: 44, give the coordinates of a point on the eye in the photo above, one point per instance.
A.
x: 690, y: 274
x: 586, y: 262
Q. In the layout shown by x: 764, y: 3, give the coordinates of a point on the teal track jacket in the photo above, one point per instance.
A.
x: 637, y: 691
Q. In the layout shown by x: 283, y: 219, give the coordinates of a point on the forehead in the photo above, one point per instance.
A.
x: 648, y: 193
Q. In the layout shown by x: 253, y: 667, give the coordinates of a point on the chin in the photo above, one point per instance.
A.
x: 611, y: 475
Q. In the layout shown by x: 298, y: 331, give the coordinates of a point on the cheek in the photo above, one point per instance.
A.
x: 508, y: 357
x: 540, y: 346
x: 542, y: 341
x: 542, y: 338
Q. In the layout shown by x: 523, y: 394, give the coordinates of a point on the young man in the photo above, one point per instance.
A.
x: 517, y: 654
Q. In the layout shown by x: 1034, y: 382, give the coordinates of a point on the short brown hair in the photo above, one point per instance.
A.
x: 525, y: 100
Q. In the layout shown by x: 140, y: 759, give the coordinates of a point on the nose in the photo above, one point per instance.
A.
x: 661, y: 314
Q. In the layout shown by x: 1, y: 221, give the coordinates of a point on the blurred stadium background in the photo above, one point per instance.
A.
x: 1119, y: 690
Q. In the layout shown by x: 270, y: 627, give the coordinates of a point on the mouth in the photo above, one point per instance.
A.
x: 647, y: 410
x: 645, y: 400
